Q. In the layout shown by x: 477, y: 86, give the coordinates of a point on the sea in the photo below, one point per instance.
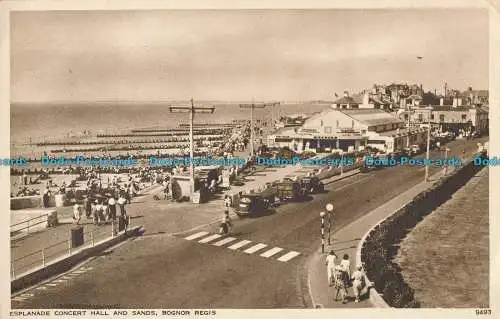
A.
x: 35, y: 122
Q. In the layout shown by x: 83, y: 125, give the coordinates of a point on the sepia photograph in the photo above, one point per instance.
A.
x: 197, y: 160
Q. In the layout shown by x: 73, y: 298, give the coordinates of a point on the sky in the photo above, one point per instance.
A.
x: 283, y: 55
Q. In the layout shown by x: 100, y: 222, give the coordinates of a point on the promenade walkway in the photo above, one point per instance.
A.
x: 347, y: 238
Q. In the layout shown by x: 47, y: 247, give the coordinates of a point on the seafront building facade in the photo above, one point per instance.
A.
x: 348, y: 130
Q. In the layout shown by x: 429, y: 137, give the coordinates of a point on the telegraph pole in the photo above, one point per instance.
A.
x: 252, y: 107
x: 428, y: 145
x: 322, y: 215
x: 191, y: 109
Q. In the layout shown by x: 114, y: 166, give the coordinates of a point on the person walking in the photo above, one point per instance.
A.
x: 112, y: 208
x: 77, y: 213
x: 166, y: 188
x: 340, y: 285
x: 121, y: 202
x: 46, y: 197
x: 345, y: 268
x: 330, y: 267
x: 358, y: 277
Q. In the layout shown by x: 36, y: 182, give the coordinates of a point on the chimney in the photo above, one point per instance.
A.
x: 441, y: 101
x: 346, y: 93
x: 455, y: 102
x: 366, y: 99
x: 459, y: 101
x: 445, y: 89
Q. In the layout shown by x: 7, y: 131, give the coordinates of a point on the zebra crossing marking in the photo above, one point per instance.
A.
x: 240, y: 244
x: 255, y: 248
x: 288, y: 256
x: 218, y: 240
x: 210, y: 238
x: 271, y: 252
x: 224, y: 241
x: 197, y: 235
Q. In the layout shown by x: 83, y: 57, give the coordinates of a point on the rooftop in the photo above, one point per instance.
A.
x: 371, y: 117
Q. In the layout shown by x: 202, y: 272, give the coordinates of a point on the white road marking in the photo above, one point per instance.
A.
x: 52, y: 285
x: 59, y: 281
x: 253, y: 249
x: 210, y: 238
x: 224, y: 241
x: 288, y: 256
x: 240, y: 244
x: 41, y: 288
x: 26, y: 295
x: 271, y: 252
x: 197, y: 235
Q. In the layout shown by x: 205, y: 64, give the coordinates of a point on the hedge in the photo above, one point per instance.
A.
x: 381, y: 245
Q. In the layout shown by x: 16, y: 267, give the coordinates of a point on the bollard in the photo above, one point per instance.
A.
x: 43, y: 257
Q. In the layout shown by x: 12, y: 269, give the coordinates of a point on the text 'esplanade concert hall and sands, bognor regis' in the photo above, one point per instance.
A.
x: 178, y: 160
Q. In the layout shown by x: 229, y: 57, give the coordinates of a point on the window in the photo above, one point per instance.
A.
x: 328, y: 129
x: 464, y: 117
x: 441, y: 118
x: 432, y: 116
x: 420, y: 117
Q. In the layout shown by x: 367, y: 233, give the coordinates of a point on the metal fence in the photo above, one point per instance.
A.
x: 42, y: 257
x: 29, y: 225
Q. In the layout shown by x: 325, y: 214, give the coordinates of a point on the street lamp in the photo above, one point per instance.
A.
x: 191, y: 109
x: 322, y: 215
x: 446, y: 150
x: 329, y: 209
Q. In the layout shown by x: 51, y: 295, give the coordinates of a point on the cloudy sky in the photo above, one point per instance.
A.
x: 240, y: 55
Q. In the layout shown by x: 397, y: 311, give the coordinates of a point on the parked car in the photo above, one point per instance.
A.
x: 255, y: 204
x: 289, y: 190
x: 312, y: 185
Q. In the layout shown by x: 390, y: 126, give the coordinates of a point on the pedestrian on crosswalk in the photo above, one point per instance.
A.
x: 330, y: 267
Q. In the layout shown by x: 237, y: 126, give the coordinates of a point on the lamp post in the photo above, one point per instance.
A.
x: 191, y: 109
x: 446, y: 150
x: 322, y: 215
x: 329, y: 209
x: 253, y: 106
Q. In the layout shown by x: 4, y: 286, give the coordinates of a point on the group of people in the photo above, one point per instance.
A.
x: 102, y: 210
x: 341, y: 278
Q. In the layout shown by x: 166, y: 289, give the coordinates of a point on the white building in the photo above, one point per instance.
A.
x: 348, y: 129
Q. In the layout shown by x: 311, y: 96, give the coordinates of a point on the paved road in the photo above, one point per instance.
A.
x: 163, y: 271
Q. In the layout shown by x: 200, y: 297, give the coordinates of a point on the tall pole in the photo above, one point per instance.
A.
x: 191, y: 109
x: 191, y: 149
x: 428, y: 147
x: 445, y: 161
x: 252, y: 107
x: 252, y: 137
x: 322, y: 214
x: 408, y: 131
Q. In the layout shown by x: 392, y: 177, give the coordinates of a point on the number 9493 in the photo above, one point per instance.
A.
x: 483, y: 311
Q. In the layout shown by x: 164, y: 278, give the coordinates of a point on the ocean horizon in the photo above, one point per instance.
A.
x: 58, y: 119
